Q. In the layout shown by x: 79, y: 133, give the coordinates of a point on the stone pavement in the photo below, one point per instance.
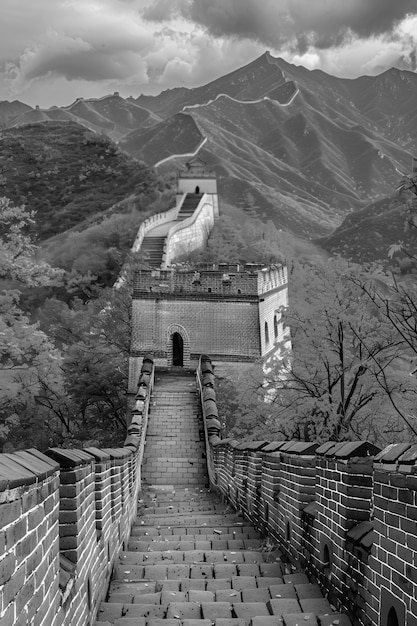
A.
x: 175, y: 438
x: 192, y: 560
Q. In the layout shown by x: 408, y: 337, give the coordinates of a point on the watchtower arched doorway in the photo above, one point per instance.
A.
x: 392, y: 618
x: 178, y: 346
x: 393, y: 611
x: 197, y: 189
x: 177, y: 350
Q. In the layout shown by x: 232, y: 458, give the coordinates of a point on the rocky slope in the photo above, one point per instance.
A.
x: 302, y: 148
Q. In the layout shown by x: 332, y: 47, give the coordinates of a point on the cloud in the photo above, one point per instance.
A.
x: 163, y: 10
x: 88, y: 40
x: 78, y: 59
x: 69, y: 48
x: 190, y: 58
x: 297, y: 23
x: 177, y: 72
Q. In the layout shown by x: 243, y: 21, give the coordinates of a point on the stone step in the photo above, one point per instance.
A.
x: 197, y: 531
x: 190, y: 441
x: 248, y: 541
x: 274, y: 588
x: 166, y: 570
x: 182, y: 507
x: 291, y: 620
x: 183, y: 496
x: 171, y: 542
x: 192, y: 560
x: 185, y: 554
x: 215, y: 522
x: 168, y: 453
x: 209, y: 605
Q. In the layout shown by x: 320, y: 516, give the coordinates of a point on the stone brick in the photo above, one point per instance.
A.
x: 8, y: 618
x: 12, y: 586
x: 25, y: 594
x: 9, y: 512
x: 16, y: 532
x: 7, y: 567
x: 35, y: 518
x: 26, y: 545
x: 411, y: 573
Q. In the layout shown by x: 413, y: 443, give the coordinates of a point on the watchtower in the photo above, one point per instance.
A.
x: 233, y: 312
x: 196, y: 178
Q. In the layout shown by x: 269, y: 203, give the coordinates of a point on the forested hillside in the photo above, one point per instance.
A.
x: 67, y: 174
x: 70, y: 206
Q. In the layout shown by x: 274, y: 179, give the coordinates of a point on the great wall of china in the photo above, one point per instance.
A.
x: 182, y: 528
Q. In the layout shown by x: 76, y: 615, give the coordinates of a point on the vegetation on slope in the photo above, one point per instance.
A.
x: 67, y: 174
x: 63, y: 378
x: 347, y: 375
x: 354, y: 345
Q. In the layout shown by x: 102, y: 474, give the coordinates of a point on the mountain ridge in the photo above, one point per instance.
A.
x: 298, y: 146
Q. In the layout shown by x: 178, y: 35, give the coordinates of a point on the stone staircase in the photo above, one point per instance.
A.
x: 191, y: 560
x: 153, y: 250
x: 175, y: 451
x: 189, y: 205
x: 153, y: 244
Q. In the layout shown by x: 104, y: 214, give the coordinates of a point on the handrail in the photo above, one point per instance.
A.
x: 136, y: 431
x: 209, y: 459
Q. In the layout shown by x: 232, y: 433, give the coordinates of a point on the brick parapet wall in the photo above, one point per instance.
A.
x: 297, y: 489
x: 347, y: 512
x: 343, y: 503
x: 75, y: 522
x: 280, y: 485
x: 191, y: 233
x: 29, y: 539
x: 393, y: 563
x: 283, y: 481
x: 269, y: 491
x: 241, y: 474
x: 64, y: 517
x: 254, y: 498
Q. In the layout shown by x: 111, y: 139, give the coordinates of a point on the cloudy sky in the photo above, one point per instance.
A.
x: 52, y: 51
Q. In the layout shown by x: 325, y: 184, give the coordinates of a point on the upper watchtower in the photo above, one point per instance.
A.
x: 196, y: 178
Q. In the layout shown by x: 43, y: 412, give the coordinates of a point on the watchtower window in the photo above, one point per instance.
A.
x: 197, y: 189
x: 266, y: 334
x: 275, y: 327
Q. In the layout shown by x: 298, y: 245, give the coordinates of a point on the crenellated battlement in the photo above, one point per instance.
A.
x: 212, y: 280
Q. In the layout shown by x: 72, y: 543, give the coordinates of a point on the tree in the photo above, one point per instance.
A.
x: 229, y: 242
x: 344, y: 380
x: 94, y: 339
x: 26, y: 353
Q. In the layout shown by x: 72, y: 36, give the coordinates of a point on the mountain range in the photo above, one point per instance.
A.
x: 319, y: 155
